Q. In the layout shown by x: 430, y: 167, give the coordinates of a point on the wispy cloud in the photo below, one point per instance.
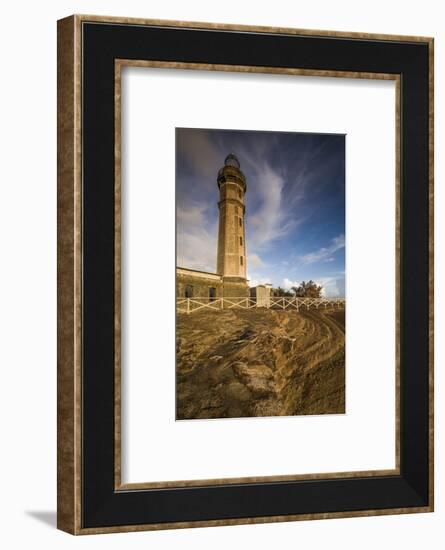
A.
x: 275, y: 216
x: 331, y: 286
x: 199, y: 152
x: 325, y: 253
x: 254, y: 261
x: 287, y: 284
x: 196, y: 238
x: 255, y: 281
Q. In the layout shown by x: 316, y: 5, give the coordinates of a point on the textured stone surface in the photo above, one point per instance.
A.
x: 231, y: 256
x: 241, y: 363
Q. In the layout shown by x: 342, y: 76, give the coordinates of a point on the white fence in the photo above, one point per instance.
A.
x: 190, y: 305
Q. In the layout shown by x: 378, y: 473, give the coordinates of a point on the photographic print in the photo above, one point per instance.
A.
x: 260, y: 273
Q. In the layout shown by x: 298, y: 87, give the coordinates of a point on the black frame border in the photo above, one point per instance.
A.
x: 103, y: 506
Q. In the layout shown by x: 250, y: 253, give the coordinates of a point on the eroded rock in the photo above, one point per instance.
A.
x: 234, y: 363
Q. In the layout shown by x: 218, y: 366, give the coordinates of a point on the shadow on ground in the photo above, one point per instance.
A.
x: 48, y: 517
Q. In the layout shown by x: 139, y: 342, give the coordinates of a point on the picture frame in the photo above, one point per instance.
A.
x: 91, y: 53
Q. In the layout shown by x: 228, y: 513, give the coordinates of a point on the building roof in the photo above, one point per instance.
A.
x: 232, y: 160
x: 198, y: 273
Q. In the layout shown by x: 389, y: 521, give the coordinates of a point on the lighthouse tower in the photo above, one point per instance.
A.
x: 231, y: 261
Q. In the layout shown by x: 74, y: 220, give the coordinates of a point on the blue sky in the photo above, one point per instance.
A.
x: 295, y: 204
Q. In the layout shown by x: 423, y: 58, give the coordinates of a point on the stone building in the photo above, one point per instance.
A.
x: 261, y: 293
x: 230, y: 277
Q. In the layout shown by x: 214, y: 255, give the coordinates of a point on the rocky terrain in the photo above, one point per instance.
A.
x: 237, y: 363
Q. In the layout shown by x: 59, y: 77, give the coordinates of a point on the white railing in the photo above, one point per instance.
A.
x: 190, y: 305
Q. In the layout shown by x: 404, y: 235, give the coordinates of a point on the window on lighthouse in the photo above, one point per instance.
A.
x: 240, y: 222
x: 241, y: 260
x: 241, y: 241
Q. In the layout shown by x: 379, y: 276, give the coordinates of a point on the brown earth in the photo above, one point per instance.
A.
x: 238, y: 363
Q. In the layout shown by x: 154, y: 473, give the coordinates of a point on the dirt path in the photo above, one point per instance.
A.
x: 237, y: 363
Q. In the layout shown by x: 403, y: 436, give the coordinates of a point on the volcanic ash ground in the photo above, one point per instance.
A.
x: 238, y: 363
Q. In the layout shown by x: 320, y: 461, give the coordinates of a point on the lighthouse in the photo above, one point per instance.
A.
x: 230, y: 279
x: 231, y: 256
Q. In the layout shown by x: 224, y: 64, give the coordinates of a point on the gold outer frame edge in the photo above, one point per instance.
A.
x: 247, y: 28
x: 251, y: 521
x: 69, y: 274
x: 70, y: 260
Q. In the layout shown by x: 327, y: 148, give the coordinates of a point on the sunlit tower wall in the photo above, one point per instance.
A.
x: 231, y: 262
